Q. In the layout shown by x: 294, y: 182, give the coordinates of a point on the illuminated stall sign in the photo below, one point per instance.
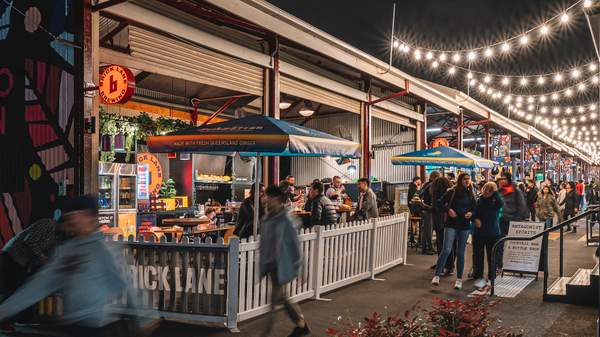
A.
x: 116, y: 85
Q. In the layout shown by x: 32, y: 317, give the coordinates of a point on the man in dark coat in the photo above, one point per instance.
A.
x: 245, y: 220
x: 531, y: 198
x: 322, y: 209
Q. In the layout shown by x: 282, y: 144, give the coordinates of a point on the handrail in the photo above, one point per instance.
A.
x: 533, y: 237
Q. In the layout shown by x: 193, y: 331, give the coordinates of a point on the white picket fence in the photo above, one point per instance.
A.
x: 334, y: 256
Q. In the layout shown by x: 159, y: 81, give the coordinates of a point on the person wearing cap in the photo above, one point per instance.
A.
x: 82, y: 270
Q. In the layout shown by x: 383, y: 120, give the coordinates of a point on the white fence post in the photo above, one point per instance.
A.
x: 405, y: 237
x: 373, y: 249
x: 317, y: 261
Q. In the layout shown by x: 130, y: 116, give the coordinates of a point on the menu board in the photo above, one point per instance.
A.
x: 523, y: 256
x: 106, y: 219
x: 143, y: 176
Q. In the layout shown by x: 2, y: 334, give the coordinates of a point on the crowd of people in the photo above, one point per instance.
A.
x: 320, y: 204
x: 455, y: 209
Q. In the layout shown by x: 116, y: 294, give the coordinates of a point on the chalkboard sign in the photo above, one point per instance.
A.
x: 106, y: 219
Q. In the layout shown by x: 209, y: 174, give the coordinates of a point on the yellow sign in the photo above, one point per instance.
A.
x: 117, y: 84
x: 150, y: 164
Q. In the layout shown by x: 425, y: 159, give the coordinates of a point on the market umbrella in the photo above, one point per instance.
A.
x: 443, y: 156
x: 255, y: 136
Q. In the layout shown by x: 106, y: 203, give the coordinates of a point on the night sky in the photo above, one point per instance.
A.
x: 456, y: 24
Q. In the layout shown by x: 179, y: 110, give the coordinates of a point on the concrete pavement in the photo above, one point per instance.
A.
x: 404, y: 286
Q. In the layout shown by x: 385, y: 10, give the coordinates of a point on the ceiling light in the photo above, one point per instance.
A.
x: 284, y: 105
x: 587, y: 3
x: 568, y: 92
x: 396, y: 43
x: 576, y: 73
x: 443, y: 57
x: 307, y: 110
x: 488, y: 52
x: 544, y: 30
x: 542, y: 99
x: 564, y: 18
x: 452, y: 70
x: 505, y: 47
x: 554, y: 96
x: 417, y: 54
x: 429, y: 55
x: 435, y: 64
x: 581, y: 87
x: 456, y: 57
x: 487, y: 79
x: 592, y: 67
x: 505, y: 81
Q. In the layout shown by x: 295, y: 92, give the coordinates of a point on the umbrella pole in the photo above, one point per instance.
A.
x: 257, y: 174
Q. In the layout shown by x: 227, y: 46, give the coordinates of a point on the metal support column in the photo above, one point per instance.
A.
x: 421, y: 135
x: 486, y: 149
x: 545, y: 160
x: 365, y: 133
x: 273, y: 105
x: 460, y: 133
x: 522, y: 159
x: 91, y: 107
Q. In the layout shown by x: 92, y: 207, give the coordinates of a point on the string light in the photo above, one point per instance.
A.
x: 505, y: 45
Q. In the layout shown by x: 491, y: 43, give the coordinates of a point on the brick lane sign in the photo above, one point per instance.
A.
x: 117, y: 84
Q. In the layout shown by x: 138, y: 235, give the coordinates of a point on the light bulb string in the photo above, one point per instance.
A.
x: 575, y: 88
x: 499, y: 43
x: 535, y: 76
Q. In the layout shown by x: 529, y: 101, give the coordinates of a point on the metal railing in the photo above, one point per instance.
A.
x: 560, y: 226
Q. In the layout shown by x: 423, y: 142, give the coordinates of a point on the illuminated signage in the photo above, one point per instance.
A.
x: 117, y: 84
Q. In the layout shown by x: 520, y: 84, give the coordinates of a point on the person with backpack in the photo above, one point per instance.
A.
x: 459, y: 205
x: 426, y: 215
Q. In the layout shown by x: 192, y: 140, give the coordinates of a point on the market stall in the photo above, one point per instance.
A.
x: 255, y: 136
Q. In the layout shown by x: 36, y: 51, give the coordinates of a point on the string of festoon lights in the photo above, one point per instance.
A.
x: 504, y: 47
x: 527, y: 96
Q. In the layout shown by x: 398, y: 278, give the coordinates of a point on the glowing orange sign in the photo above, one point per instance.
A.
x: 151, y: 165
x: 117, y: 84
x: 439, y: 142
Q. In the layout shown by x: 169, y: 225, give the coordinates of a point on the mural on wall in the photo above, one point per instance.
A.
x: 37, y: 110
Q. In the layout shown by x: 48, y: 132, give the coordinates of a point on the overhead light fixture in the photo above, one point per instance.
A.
x: 307, y: 110
x: 284, y: 105
x: 351, y: 168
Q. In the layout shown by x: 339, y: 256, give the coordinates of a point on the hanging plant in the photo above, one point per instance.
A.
x: 167, y: 190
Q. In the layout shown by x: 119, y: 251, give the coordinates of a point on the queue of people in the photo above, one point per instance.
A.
x: 457, y: 209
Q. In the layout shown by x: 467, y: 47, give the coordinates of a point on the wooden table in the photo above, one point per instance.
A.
x: 301, y: 213
x: 227, y: 232
x: 174, y: 232
x: 344, y: 213
x: 187, y: 223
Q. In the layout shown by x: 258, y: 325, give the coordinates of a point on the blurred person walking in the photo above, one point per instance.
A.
x: 280, y: 258
x: 83, y: 271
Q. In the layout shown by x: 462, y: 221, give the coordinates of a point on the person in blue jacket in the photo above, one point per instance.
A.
x: 487, y: 230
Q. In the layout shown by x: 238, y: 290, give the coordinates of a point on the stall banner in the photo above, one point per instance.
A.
x: 179, y: 278
x: 523, y: 256
x: 500, y: 148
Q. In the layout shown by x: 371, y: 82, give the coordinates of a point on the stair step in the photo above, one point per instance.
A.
x: 581, y: 277
x: 559, y: 287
